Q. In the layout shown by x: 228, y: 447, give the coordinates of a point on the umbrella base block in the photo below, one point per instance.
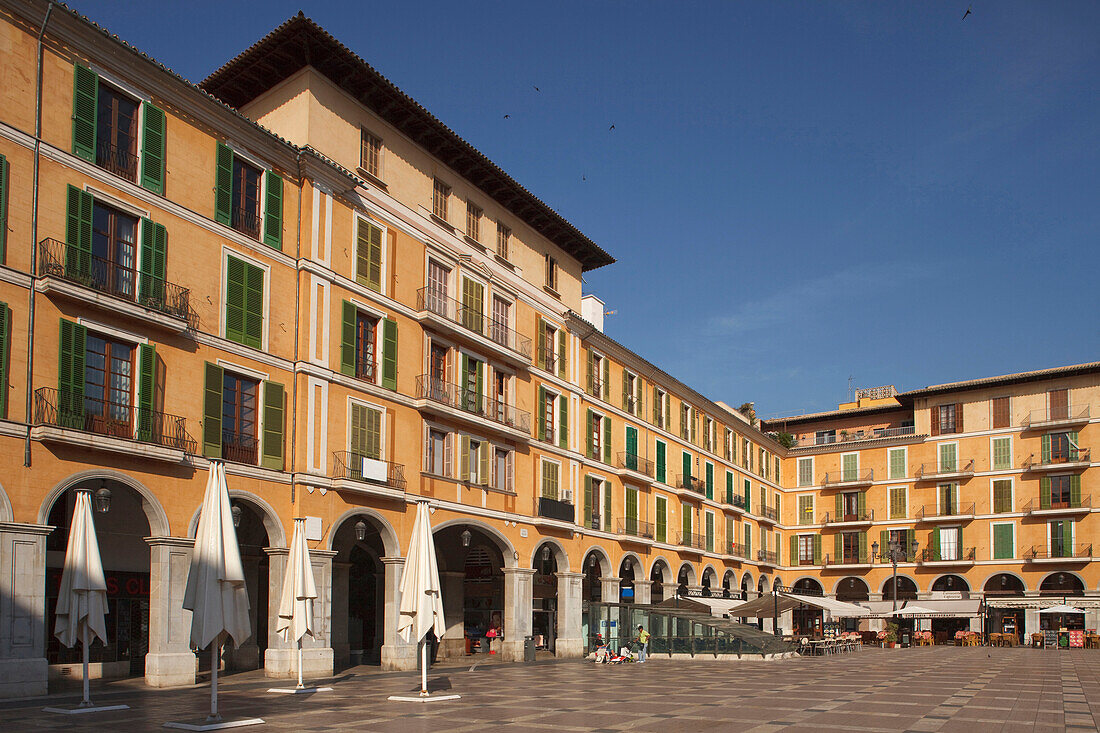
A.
x: 425, y: 698
x: 299, y: 690
x: 86, y: 709
x: 219, y: 725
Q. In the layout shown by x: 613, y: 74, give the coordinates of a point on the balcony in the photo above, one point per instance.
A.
x: 240, y: 448
x: 246, y: 220
x: 804, y: 562
x: 738, y: 502
x: 933, y: 513
x: 1037, y: 507
x: 459, y: 319
x: 933, y: 558
x: 846, y: 562
x: 935, y: 472
x: 767, y: 513
x: 631, y: 464
x: 694, y: 485
x: 692, y: 541
x: 632, y: 527
x: 767, y: 557
x: 737, y: 549
x: 562, y: 511
x: 1056, y: 417
x: 848, y: 479
x: 120, y: 161
x: 78, y: 275
x: 850, y: 520
x: 1060, y: 553
x: 451, y: 400
x: 1068, y: 460
x: 85, y: 422
x: 355, y: 472
x: 858, y: 436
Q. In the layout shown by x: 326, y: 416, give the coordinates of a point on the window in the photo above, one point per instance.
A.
x: 504, y: 234
x: 897, y: 459
x: 709, y: 525
x: 368, y: 254
x: 230, y: 425
x: 597, y: 503
x: 116, y: 132
x: 114, y: 262
x: 662, y: 519
x: 763, y: 466
x: 661, y: 453
x: 549, y: 344
x: 239, y: 418
x: 1060, y: 447
x: 949, y: 457
x: 550, y: 484
x: 746, y: 454
x: 595, y: 436
x: 1002, y: 418
x: 805, y: 471
x: 776, y: 477
x: 850, y: 502
x: 947, y: 419
x: 1002, y: 453
x: 708, y: 434
x: 599, y: 371
x: 502, y: 469
x: 729, y: 446
x: 500, y: 329
x: 245, y: 216
x: 438, y: 455
x: 1059, y: 404
x: 849, y: 467
x: 370, y: 153
x: 244, y: 302
x: 366, y: 334
x: 898, y: 508
x: 660, y: 408
x: 108, y: 386
x: 1003, y: 545
x: 366, y: 432
x: 949, y: 499
x: 1061, y: 538
x: 502, y: 388
x: 805, y: 549
x: 237, y: 196
x: 806, y: 509
x: 473, y: 221
x: 850, y: 547
x: 472, y: 313
x: 685, y: 421
x: 823, y: 437
x: 551, y: 273
x: 1060, y: 492
x: 475, y: 457
x: 1002, y: 495
x: 548, y: 410
x: 949, y: 543
x: 436, y: 293
x: 632, y: 393
x: 440, y: 193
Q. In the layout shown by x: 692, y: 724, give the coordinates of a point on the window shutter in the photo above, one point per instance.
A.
x: 70, y: 375
x: 910, y: 542
x: 863, y: 547
x: 480, y: 369
x: 1046, y: 448
x: 540, y: 335
x: 638, y: 397
x: 78, y: 234
x: 4, y: 186
x: 839, y: 514
x: 934, y: 537
x: 958, y: 417
x: 656, y: 406
x: 626, y: 393
x: 605, y: 380
x: 1067, y: 538
x: 792, y: 559
x: 861, y: 504
x: 153, y: 141
x: 483, y: 463
x: 884, y: 541
x: 588, y: 434
x: 212, y: 411
x: 729, y: 487
x: 1074, y: 489
x: 561, y: 353
x: 935, y: 418
x: 710, y: 480
x: 147, y: 362
x: 223, y: 184
x: 274, y: 409
x: 662, y: 520
x: 542, y: 413
x: 1002, y: 541
x: 668, y: 412
x: 85, y: 107
x: 5, y: 357
x: 358, y: 416
x: 273, y: 211
x: 587, y: 502
x: 685, y: 464
x: 347, y: 338
x: 590, y: 360
x: 661, y: 470
x: 838, y: 547
x: 154, y: 263
x: 1074, y: 454
x: 389, y: 353
x: 464, y: 459
x: 1044, y: 492
x: 254, y: 306
x: 685, y: 522
x: 817, y: 549
x: 748, y: 494
x: 607, y: 439
x: 563, y: 421
x: 373, y: 426
x: 368, y: 255
x: 235, y: 276
x: 607, y: 506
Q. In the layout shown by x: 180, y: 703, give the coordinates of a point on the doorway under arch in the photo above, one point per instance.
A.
x: 359, y: 588
x: 906, y: 589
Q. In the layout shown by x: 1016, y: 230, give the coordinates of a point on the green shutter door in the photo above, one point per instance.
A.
x: 792, y: 559
x: 5, y: 169
x: 1067, y: 538
x: 935, y: 538
x: 147, y: 361
x: 850, y: 470
x: 153, y: 141
x: 389, y: 353
x: 234, y: 299
x: 273, y: 211
x: 861, y: 504
x: 254, y: 307
x: 590, y: 370
x: 631, y: 448
x: 212, y: 411
x: 1002, y: 541
x: 358, y: 446
x: 540, y: 352
x: 587, y: 519
x: 589, y: 447
x: 607, y: 439
x: 1044, y: 492
x: 606, y: 506
x: 838, y: 548
x: 1073, y: 440
x: 78, y: 234
x: 838, y: 514
x: 685, y: 524
x: 710, y: 480
x: 686, y: 465
x: 817, y: 549
x: 223, y: 184
x: 631, y: 512
x: 85, y: 109
x: 372, y: 429
x: 710, y: 532
x: 729, y: 487
x: 70, y: 375
x: 1075, y: 491
x: 1046, y: 449
x: 472, y: 297
x: 661, y: 471
x: 561, y: 353
x: 863, y: 547
x: 662, y: 519
x: 348, y: 316
x: 605, y: 380
x: 274, y: 409
x: 884, y: 542
x: 154, y: 263
x: 563, y: 421
x: 5, y: 357
x: 542, y: 413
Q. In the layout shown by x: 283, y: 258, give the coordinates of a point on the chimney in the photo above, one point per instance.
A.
x: 592, y: 311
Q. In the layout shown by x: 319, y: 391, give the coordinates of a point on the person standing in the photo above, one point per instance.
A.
x: 643, y: 641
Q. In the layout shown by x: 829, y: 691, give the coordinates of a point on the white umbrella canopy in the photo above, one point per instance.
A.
x: 421, y: 607
x: 1060, y: 609
x: 82, y: 600
x: 215, y: 592
x: 914, y: 611
x: 299, y: 590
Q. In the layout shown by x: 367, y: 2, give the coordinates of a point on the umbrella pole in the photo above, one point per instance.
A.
x: 300, y: 685
x: 87, y: 701
x: 215, y: 662
x: 424, y: 667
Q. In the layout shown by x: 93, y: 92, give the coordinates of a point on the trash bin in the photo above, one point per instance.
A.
x: 528, y: 648
x: 905, y: 641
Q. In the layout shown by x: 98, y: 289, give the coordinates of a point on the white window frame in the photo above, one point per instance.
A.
x: 448, y: 444
x: 384, y: 265
x: 842, y: 457
x: 1011, y: 491
x: 1072, y: 529
x: 957, y: 529
x: 381, y: 174
x: 798, y: 509
x: 544, y: 461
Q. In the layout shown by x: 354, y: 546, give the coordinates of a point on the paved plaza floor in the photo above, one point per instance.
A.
x: 970, y: 690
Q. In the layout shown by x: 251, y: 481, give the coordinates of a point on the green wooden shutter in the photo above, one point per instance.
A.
x: 685, y: 522
x: 863, y: 547
x: 1075, y: 490
x: 839, y: 513
x: 212, y: 411
x: 85, y: 109
x: 5, y: 169
x: 154, y: 138
x: 710, y: 531
x: 934, y: 536
x: 542, y: 413
x: 631, y: 448
x: 1073, y: 440
x: 587, y: 519
x: 154, y: 263
x: 563, y: 421
x: 861, y: 504
x: 273, y: 211
x: 662, y: 519
x: 817, y: 549
x: 540, y: 334
x: 1044, y: 492
x: 748, y: 494
x: 1067, y: 538
x: 884, y: 541
x: 5, y: 357
x: 348, y: 317
x: 850, y: 467
x: 147, y: 362
x: 223, y: 184
x: 910, y: 544
x: 607, y: 439
x: 590, y: 370
x: 274, y: 409
x: 483, y: 463
x: 747, y: 528
x: 471, y: 315
x: 626, y: 393
x: 358, y: 445
x: 372, y: 425
x: 661, y: 470
x: 606, y: 506
x: 480, y: 391
x: 729, y: 487
x: 686, y: 465
x: 464, y: 459
x: 632, y: 510
x: 638, y: 397
x: 70, y: 375
x: 235, y: 299
x: 838, y: 547
x: 254, y: 307
x: 605, y: 380
x: 389, y: 353
x: 792, y: 559
x: 1046, y: 449
x: 78, y: 234
x: 561, y: 353
x: 1002, y: 541
x: 710, y: 480
x: 656, y: 406
x: 588, y: 434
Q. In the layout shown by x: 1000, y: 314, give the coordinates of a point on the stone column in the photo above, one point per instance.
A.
x: 281, y: 658
x: 786, y: 621
x: 170, y: 661
x: 23, y: 667
x: 452, y: 587
x: 518, y: 600
x: 569, y: 642
x: 341, y: 649
x: 609, y: 589
x: 396, y: 653
x: 642, y: 592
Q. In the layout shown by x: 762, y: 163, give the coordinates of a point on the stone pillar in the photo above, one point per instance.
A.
x: 170, y: 661
x: 281, y: 659
x: 518, y: 600
x: 453, y: 591
x: 609, y: 589
x: 569, y: 643
x: 23, y: 667
x: 786, y: 622
x: 642, y: 592
x: 396, y: 653
x: 341, y: 649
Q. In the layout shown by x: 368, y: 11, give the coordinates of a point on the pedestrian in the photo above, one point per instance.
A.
x: 643, y: 641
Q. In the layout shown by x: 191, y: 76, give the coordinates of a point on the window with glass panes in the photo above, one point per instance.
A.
x: 898, y: 507
x: 551, y: 273
x: 806, y: 510
x: 437, y: 453
x: 805, y: 549
x: 502, y: 469
x: 1002, y: 495
x: 114, y: 262
x: 850, y: 547
x: 108, y: 386
x: 805, y: 472
x: 897, y: 462
x: 239, y: 395
x: 116, y: 132
x: 370, y: 153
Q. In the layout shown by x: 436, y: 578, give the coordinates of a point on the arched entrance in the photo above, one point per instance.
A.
x: 596, y: 567
x: 951, y: 584
x: 629, y: 570
x: 544, y: 593
x: 852, y: 589
x: 120, y: 532
x: 807, y: 620
x: 685, y: 578
x: 729, y: 583
x: 746, y: 587
x: 1006, y: 618
x: 1062, y: 584
x: 359, y: 590
x: 906, y: 589
x: 710, y: 580
x: 252, y: 538
x: 658, y: 575
x: 471, y: 562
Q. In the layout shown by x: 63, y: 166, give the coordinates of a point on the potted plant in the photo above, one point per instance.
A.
x: 888, y: 636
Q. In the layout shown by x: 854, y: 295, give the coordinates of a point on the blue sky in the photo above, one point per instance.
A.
x: 796, y: 192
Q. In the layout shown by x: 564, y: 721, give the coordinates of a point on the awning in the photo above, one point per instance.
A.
x: 767, y: 606
x: 931, y: 607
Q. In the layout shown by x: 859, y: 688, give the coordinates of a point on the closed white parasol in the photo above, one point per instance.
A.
x: 299, y: 593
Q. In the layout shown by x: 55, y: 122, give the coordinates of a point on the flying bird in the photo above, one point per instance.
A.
x: 967, y: 12
x: 611, y: 128
x: 537, y: 89
x: 507, y: 116
x: 584, y: 177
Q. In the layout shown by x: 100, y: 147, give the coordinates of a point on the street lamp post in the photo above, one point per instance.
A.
x: 895, y: 552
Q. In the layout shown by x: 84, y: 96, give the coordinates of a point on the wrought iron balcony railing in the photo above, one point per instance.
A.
x: 737, y: 549
x: 556, y: 509
x: 689, y: 539
x: 686, y: 481
x: 960, y: 554
x: 357, y: 467
x: 77, y: 412
x: 473, y: 320
x: 1057, y: 459
x: 468, y: 400
x: 867, y: 515
x: 737, y: 500
x: 240, y: 448
x: 768, y: 512
x: 120, y: 161
x: 1066, y: 414
x: 632, y: 462
x: 1041, y: 504
x: 847, y: 559
x: 848, y: 478
x: 636, y: 528
x: 768, y: 556
x: 932, y: 471
x: 869, y: 434
x: 246, y: 220
x: 72, y: 264
x: 932, y: 511
x: 1060, y: 552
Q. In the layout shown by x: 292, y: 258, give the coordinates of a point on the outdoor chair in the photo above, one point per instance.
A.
x: 1037, y: 640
